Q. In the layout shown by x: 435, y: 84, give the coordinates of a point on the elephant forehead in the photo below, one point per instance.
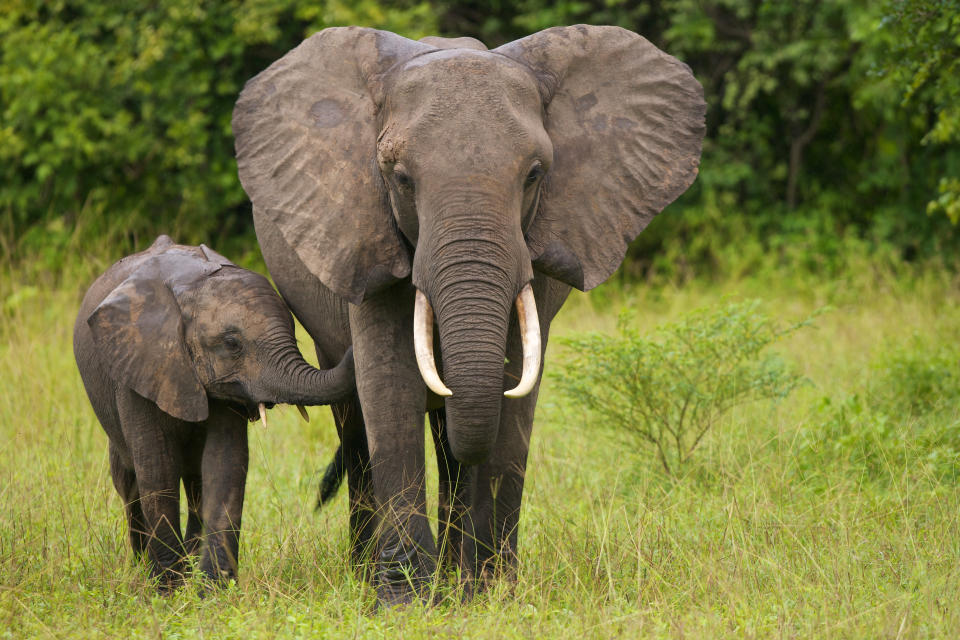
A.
x: 456, y: 56
x: 479, y: 103
x: 240, y: 299
x: 463, y: 80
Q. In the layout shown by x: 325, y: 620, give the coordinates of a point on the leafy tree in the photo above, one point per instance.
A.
x: 116, y: 116
x: 924, y: 60
x: 828, y: 120
x: 808, y: 142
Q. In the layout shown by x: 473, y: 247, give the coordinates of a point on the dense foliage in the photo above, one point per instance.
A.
x: 925, y: 55
x: 829, y: 121
x: 819, y: 121
x: 115, y: 117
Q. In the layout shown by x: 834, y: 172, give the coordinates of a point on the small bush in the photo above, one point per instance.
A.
x: 669, y: 390
x: 917, y: 378
x: 904, y: 419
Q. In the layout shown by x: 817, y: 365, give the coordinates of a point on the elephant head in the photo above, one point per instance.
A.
x: 380, y: 158
x: 187, y: 324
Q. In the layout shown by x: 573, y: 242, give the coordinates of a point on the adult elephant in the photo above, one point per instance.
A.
x: 397, y: 182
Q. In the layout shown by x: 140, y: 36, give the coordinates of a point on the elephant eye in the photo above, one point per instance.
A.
x: 404, y: 181
x: 232, y: 344
x: 535, y: 173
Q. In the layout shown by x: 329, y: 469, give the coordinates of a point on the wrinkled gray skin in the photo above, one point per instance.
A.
x: 176, y: 347
x: 379, y: 165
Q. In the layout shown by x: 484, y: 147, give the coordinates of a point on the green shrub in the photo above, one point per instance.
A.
x: 905, y: 418
x: 917, y: 379
x: 670, y: 389
x: 869, y: 442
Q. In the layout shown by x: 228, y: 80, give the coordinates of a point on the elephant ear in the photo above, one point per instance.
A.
x: 627, y: 123
x: 306, y: 140
x: 213, y: 256
x: 138, y: 329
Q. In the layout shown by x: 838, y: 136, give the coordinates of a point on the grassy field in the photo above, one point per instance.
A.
x: 835, y: 513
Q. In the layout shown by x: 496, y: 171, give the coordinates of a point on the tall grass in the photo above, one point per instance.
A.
x: 835, y: 513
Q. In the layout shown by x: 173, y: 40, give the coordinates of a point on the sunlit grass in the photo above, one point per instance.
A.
x: 772, y: 530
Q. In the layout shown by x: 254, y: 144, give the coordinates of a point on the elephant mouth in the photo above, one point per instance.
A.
x: 257, y: 411
x: 251, y: 411
x: 240, y: 402
x: 254, y: 411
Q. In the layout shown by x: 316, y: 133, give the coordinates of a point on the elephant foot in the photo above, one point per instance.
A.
x: 403, y: 594
x: 395, y: 595
x: 219, y: 579
x: 364, y: 569
x: 168, y: 580
x: 210, y: 585
x: 192, y: 545
x: 168, y: 572
x: 498, y: 568
x: 218, y: 566
x: 403, y: 575
x: 363, y: 557
x: 465, y: 588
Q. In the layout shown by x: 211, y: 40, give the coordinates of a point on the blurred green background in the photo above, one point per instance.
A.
x: 832, y: 125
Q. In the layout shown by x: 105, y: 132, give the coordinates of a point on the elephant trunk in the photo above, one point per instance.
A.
x: 471, y: 279
x: 473, y: 327
x: 289, y: 379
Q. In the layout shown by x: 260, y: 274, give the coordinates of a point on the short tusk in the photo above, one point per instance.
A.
x: 530, y: 336
x: 263, y: 414
x: 423, y: 345
x: 303, y: 413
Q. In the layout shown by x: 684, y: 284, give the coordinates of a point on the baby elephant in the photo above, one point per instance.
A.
x: 178, y: 348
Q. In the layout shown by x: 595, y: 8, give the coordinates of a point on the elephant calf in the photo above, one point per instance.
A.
x: 178, y: 348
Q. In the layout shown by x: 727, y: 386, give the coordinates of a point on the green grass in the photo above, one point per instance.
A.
x: 833, y: 514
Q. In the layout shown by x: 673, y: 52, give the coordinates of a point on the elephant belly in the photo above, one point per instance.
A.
x: 321, y: 312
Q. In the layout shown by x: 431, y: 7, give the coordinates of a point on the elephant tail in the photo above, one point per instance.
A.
x: 332, y: 478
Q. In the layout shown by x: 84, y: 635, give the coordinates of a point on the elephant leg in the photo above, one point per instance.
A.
x: 193, y: 488
x: 497, y: 490
x: 152, y: 438
x: 453, y: 524
x: 125, y: 482
x: 393, y: 398
x: 497, y: 484
x: 224, y: 473
x: 356, y: 459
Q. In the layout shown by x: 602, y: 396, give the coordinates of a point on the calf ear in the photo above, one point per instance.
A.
x: 138, y: 329
x: 213, y: 256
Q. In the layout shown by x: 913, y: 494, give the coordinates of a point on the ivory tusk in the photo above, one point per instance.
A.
x: 423, y: 346
x: 530, y: 337
x: 263, y: 414
x: 303, y: 413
